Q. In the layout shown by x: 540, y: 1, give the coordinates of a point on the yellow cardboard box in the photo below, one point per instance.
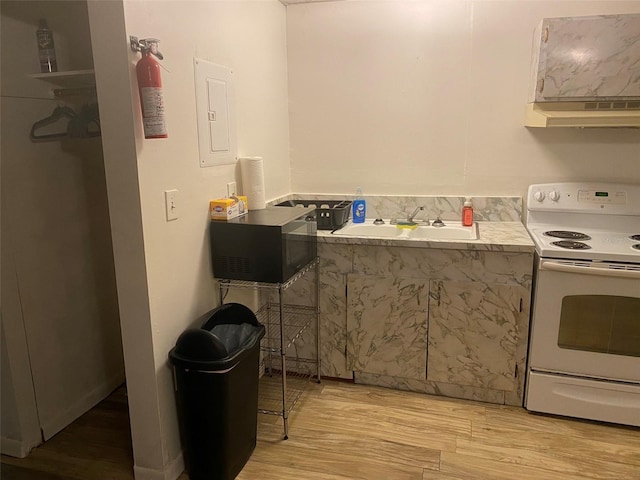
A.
x: 228, y: 208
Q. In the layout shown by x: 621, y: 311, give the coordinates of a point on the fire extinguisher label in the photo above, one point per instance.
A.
x: 153, y: 111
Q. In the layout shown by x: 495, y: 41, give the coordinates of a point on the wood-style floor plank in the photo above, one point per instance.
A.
x: 268, y: 471
x: 471, y: 467
x: 438, y: 475
x: 552, y: 453
x: 381, y: 454
x: 12, y: 472
x: 71, y: 466
x: 341, y: 431
x: 541, y: 447
x: 452, y: 408
x: 507, y: 417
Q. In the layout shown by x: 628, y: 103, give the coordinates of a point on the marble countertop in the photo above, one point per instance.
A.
x: 493, y: 236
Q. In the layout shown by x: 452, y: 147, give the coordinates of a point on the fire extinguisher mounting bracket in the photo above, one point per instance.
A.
x: 145, y: 45
x: 134, y: 43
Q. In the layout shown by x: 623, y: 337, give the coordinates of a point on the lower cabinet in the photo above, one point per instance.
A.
x: 454, y: 332
x: 473, y: 333
x: 387, y: 325
x: 437, y: 321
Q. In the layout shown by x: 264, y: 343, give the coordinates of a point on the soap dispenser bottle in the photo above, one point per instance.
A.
x: 359, y: 207
x: 467, y: 213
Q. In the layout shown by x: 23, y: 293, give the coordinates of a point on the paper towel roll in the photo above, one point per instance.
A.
x: 252, y: 171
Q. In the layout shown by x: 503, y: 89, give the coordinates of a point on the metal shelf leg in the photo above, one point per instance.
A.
x: 283, y: 357
x: 317, y: 299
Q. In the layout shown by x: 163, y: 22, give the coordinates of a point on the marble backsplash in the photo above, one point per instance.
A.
x: 492, y: 209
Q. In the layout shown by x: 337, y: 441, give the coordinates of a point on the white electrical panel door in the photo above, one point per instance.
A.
x: 216, y: 114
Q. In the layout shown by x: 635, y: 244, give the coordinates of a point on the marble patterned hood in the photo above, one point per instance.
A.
x: 585, y: 72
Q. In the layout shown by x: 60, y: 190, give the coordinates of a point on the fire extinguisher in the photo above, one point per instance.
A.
x: 150, y: 88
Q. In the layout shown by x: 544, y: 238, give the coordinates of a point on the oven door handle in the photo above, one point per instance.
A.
x: 606, y: 272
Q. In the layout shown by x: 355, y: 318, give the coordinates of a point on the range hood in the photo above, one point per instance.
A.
x: 583, y: 114
x: 584, y: 72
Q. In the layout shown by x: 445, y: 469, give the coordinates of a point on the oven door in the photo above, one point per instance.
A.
x: 586, y: 320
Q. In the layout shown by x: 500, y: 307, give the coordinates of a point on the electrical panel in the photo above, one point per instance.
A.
x: 216, y: 114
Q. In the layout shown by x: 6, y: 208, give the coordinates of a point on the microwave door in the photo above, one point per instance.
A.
x: 300, y: 244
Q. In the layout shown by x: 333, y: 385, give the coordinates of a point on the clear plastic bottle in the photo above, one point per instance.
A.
x: 467, y: 213
x: 46, y: 48
x: 359, y: 207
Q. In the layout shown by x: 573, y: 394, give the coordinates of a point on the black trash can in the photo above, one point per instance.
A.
x: 216, y: 371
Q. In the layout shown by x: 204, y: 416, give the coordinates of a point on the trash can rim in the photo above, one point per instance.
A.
x: 224, y: 363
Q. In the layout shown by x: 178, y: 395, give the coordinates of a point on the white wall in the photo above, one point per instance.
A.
x: 11, y: 430
x: 19, y: 416
x: 163, y: 268
x: 428, y: 97
x: 59, y: 305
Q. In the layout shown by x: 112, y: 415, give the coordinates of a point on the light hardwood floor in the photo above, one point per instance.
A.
x: 341, y: 431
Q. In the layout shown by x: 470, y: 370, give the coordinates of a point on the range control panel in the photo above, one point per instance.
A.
x: 614, y: 197
x: 609, y: 198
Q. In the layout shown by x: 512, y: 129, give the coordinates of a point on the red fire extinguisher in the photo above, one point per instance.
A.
x: 150, y: 89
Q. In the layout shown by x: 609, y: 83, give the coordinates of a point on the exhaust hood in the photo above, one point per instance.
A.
x: 583, y: 114
x: 585, y: 72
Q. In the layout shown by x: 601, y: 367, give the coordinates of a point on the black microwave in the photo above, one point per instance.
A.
x: 268, y: 245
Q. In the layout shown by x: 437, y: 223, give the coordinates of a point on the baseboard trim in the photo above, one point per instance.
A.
x: 14, y: 448
x: 175, y: 468
x: 86, y: 403
x: 171, y: 471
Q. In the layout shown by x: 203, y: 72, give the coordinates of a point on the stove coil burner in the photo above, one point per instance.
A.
x: 636, y: 246
x: 568, y: 235
x: 571, y: 245
x: 635, y: 237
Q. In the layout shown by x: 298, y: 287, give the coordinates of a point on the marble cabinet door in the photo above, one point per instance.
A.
x: 583, y: 58
x: 387, y: 325
x: 473, y: 333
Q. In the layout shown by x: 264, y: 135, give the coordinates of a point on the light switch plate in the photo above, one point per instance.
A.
x: 171, y: 204
x: 231, y: 189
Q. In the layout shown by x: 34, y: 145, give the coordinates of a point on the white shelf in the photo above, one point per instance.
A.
x: 68, y: 79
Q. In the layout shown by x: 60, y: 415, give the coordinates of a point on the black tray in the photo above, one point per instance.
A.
x: 331, y: 214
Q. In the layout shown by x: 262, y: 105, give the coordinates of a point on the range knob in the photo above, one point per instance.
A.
x: 553, y: 195
x: 538, y: 196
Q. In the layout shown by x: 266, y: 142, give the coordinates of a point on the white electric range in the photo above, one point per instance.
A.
x: 584, y: 351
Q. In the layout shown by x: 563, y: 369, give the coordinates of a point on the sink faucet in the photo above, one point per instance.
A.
x: 413, y: 214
